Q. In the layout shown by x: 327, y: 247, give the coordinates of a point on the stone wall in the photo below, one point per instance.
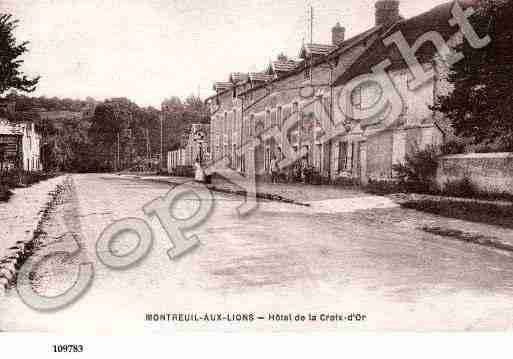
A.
x: 490, y: 172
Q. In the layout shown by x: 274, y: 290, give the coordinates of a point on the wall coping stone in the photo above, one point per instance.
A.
x: 479, y: 155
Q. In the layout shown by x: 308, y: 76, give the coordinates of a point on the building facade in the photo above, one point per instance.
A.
x: 352, y: 108
x: 20, y: 146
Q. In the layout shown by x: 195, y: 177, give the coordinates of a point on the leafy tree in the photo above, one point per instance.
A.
x: 172, y: 104
x: 481, y: 104
x: 419, y: 166
x: 103, y: 132
x: 178, y: 118
x: 11, y: 75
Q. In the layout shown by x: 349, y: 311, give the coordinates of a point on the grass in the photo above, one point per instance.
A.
x: 458, y: 189
x: 489, y: 213
x: 5, y: 193
x: 14, y: 179
x: 470, y: 237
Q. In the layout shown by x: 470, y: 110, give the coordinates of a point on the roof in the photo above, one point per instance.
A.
x: 9, y: 128
x: 437, y: 19
x: 316, y: 50
x: 237, y: 77
x: 222, y: 86
x: 260, y: 77
x: 325, y: 52
x: 347, y: 44
x: 283, y: 66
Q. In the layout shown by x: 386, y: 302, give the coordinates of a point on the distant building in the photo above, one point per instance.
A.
x: 196, y: 147
x: 176, y: 158
x: 20, y: 146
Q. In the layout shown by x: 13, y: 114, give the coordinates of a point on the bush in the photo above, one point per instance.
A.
x: 460, y: 188
x: 452, y: 148
x: 315, y: 177
x: 489, y: 213
x: 16, y: 178
x: 346, y: 181
x: 5, y: 193
x: 183, y: 171
x: 383, y: 187
x: 418, y: 172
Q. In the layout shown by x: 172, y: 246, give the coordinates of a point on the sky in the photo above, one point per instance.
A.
x: 149, y: 50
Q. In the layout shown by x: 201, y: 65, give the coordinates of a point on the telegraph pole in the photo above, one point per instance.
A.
x: 147, y: 148
x: 117, y: 165
x: 311, y: 23
x: 161, y: 141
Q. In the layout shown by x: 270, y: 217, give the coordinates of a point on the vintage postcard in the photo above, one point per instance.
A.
x: 255, y: 166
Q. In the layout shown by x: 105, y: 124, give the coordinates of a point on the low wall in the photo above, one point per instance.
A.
x: 490, y: 172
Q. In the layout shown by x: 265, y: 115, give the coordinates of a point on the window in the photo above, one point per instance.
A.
x: 286, y: 114
x: 234, y: 91
x: 308, y: 73
x: 278, y: 117
x: 267, y: 119
x: 342, y: 156
x: 355, y: 159
x: 235, y: 124
x: 352, y: 155
x: 252, y: 125
x: 234, y: 156
x: 225, y: 124
x: 356, y: 98
x: 273, y: 119
x: 295, y: 107
x: 326, y: 103
x: 267, y: 159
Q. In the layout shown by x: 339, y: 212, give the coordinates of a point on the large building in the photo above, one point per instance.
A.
x: 353, y: 108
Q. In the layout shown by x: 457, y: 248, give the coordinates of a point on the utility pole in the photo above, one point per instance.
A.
x: 311, y: 23
x: 311, y: 42
x: 148, y: 147
x: 242, y: 159
x: 131, y: 140
x: 118, y: 159
x: 161, y: 141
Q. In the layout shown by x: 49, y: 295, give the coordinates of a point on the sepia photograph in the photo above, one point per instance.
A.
x: 252, y: 166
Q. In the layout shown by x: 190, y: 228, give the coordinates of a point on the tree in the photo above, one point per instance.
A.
x: 11, y: 76
x: 104, y: 127
x: 172, y: 104
x: 197, y: 107
x: 480, y: 106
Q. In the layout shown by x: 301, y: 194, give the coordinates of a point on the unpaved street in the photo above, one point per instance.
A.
x: 280, y: 259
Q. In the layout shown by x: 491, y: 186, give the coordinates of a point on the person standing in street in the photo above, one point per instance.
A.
x: 199, y: 174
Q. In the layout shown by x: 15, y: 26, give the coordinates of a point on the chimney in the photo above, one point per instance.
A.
x: 387, y: 12
x: 338, y: 34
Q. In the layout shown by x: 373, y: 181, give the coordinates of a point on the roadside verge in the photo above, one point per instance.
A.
x: 23, y: 217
